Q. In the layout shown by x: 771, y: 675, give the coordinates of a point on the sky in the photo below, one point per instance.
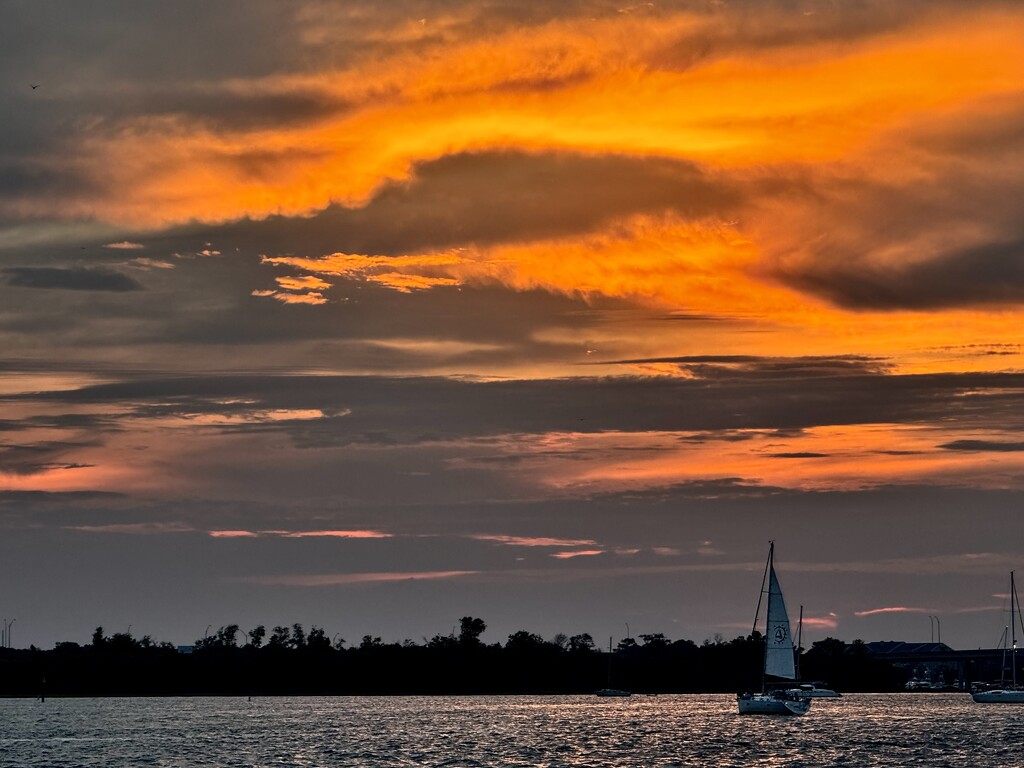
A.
x: 371, y: 316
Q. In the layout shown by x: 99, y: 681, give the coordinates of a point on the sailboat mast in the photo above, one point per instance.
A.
x: 1013, y: 632
x: 769, y: 567
x: 609, y: 662
x: 764, y: 580
x: 799, y: 640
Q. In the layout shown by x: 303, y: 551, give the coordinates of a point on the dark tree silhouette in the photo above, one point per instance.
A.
x: 581, y: 643
x: 470, y: 630
x: 281, y: 638
x: 296, y: 662
x: 256, y: 636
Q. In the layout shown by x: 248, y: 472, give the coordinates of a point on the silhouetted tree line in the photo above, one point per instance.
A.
x: 290, y: 660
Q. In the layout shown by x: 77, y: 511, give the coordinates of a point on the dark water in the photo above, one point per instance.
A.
x: 858, y: 730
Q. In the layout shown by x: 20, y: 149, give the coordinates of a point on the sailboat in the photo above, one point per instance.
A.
x: 779, y: 656
x: 808, y: 690
x: 609, y: 691
x: 1003, y: 694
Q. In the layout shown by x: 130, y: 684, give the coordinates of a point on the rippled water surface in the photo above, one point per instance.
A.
x: 857, y: 730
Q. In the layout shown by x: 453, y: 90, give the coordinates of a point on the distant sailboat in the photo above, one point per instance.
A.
x: 779, y: 656
x: 808, y: 690
x: 1004, y: 694
x: 609, y: 691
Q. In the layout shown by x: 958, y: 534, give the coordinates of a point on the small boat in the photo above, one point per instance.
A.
x: 1012, y: 693
x: 812, y: 691
x: 808, y: 690
x: 779, y: 656
x: 609, y: 691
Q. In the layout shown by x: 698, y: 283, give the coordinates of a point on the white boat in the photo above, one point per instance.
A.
x: 609, y: 691
x: 808, y: 690
x: 779, y: 656
x: 1006, y: 694
x: 812, y: 691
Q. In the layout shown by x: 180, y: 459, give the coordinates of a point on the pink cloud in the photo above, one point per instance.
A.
x: 892, y: 609
x: 339, y: 579
x: 337, y: 534
x: 532, y: 541
x: 578, y: 553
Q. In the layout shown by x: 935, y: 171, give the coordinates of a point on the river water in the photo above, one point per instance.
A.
x: 497, y: 731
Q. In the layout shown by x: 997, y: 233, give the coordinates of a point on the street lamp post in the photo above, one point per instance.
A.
x: 931, y: 625
x: 9, y: 628
x: 938, y: 624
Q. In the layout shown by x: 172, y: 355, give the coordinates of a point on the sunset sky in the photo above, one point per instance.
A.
x: 371, y: 316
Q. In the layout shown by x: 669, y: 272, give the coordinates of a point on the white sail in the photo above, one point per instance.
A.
x: 778, y: 657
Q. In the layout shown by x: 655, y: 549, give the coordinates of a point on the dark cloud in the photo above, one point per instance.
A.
x: 738, y: 436
x: 74, y: 278
x: 20, y: 177
x: 379, y: 409
x: 983, y: 445
x: 901, y: 244
x: 32, y: 459
x: 710, y: 366
x: 991, y: 274
x: 456, y: 201
x: 74, y: 421
x: 206, y: 305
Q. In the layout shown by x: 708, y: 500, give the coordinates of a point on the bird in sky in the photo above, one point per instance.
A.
x: 33, y: 87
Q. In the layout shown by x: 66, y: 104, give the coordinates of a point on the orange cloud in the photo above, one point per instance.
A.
x: 851, y: 457
x: 312, y: 297
x: 337, y: 534
x: 306, y: 282
x: 805, y: 127
x: 591, y: 86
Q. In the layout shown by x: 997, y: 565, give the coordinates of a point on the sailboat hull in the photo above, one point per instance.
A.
x: 999, y: 697
x: 764, y: 704
x: 1013, y: 694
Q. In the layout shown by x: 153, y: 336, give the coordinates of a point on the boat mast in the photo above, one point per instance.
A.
x: 769, y: 566
x: 609, y: 662
x: 799, y: 641
x: 764, y: 580
x: 1013, y: 633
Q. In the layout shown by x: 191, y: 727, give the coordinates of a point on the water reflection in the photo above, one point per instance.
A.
x: 572, y: 731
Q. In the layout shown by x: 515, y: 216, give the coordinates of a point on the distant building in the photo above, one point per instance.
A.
x: 186, y: 649
x: 935, y: 666
x: 898, y: 648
